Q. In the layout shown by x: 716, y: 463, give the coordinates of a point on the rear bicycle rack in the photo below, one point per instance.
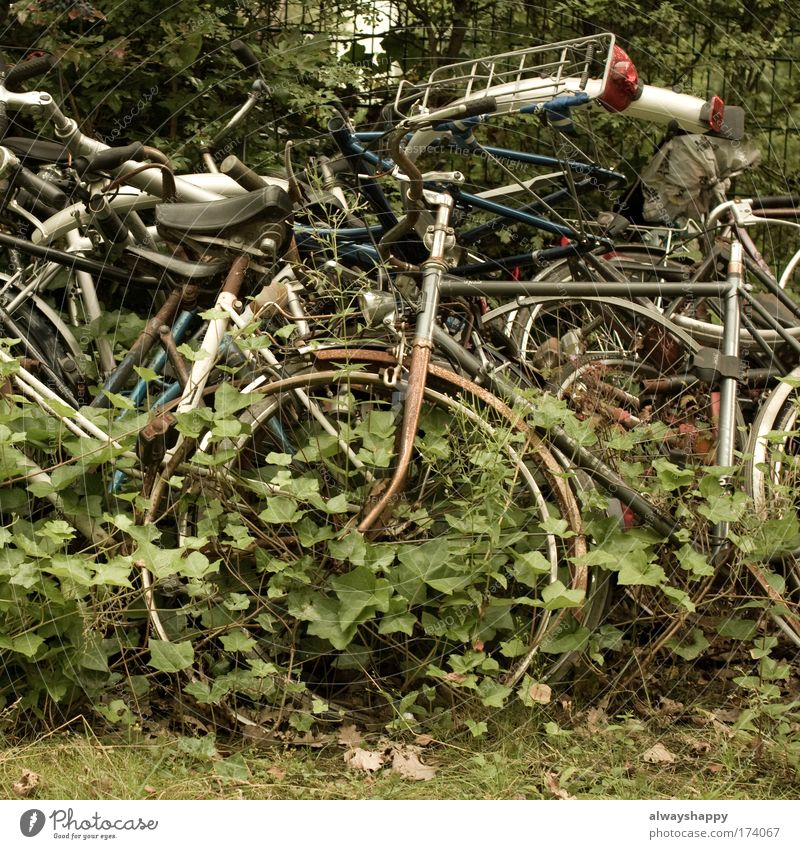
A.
x: 520, y: 77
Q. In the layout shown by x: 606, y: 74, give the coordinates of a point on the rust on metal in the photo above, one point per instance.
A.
x: 152, y: 446
x: 235, y: 277
x: 174, y: 355
x: 417, y: 369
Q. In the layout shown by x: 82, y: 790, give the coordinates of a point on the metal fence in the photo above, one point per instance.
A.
x: 767, y: 86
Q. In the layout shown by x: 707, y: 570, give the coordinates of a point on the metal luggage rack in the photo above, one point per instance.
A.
x: 537, y: 73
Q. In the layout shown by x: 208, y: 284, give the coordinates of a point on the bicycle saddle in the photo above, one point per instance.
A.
x: 213, y: 218
x: 35, y: 150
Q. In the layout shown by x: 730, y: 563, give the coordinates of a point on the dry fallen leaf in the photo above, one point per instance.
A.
x: 540, y: 693
x: 701, y: 747
x: 596, y: 719
x: 363, y: 759
x: 727, y: 715
x: 659, y: 754
x: 553, y: 785
x: 423, y: 739
x: 670, y: 707
x: 350, y: 736
x: 26, y: 785
x: 406, y: 763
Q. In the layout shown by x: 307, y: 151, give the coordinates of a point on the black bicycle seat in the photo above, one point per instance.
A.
x: 36, y: 150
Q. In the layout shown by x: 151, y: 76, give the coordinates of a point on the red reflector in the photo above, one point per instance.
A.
x: 622, y: 84
x: 716, y: 113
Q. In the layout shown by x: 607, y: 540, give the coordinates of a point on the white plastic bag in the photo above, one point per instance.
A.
x: 690, y: 174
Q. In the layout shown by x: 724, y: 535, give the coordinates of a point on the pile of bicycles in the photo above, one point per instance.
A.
x: 421, y: 411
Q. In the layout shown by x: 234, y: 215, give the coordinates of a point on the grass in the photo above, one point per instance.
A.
x: 589, y: 756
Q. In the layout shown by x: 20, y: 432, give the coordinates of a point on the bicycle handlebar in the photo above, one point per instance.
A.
x: 244, y: 54
x: 108, y: 159
x: 20, y: 176
x: 28, y: 69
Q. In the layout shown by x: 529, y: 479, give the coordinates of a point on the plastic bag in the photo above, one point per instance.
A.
x: 690, y: 174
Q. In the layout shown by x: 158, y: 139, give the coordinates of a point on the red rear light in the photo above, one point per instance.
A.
x: 716, y: 113
x: 622, y: 86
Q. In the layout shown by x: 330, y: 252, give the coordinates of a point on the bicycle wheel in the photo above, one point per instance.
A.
x: 552, y: 331
x: 472, y: 563
x: 772, y: 449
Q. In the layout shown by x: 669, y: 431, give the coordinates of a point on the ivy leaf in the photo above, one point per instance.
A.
x: 70, y: 568
x: 530, y: 566
x: 229, y: 400
x: 323, y: 616
x: 166, y: 656
x: 94, y: 655
x: 637, y: 571
x: 350, y: 548
x: 562, y: 640
x: 492, y: 693
x: 58, y: 531
x: 680, y: 597
x: 196, y: 565
x: 146, y: 374
x: 738, y: 629
x: 119, y: 401
x: 360, y: 595
x: 557, y: 527
x: 238, y: 641
x: 693, y: 561
x: 556, y: 596
x: 233, y: 767
x: 690, y: 650
x: 449, y: 585
x: 193, y: 422
x: 670, y: 476
x: 27, y: 644
x: 477, y: 729
x: 399, y: 622
x: 337, y: 504
x: 208, y: 694
x: 281, y: 511
x: 725, y: 508
x: 200, y: 748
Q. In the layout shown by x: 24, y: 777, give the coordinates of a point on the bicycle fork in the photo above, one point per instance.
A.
x: 432, y: 270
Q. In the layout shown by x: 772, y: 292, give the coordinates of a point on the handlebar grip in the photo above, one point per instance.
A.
x: 776, y: 202
x: 479, y: 107
x: 26, y: 70
x: 244, y: 54
x: 111, y: 158
x: 46, y: 192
